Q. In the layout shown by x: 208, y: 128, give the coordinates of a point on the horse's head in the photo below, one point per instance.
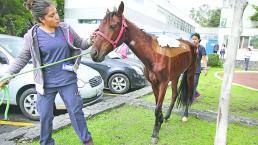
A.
x: 109, y: 34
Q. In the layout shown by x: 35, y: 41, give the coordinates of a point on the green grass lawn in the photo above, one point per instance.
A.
x: 243, y: 101
x: 130, y: 125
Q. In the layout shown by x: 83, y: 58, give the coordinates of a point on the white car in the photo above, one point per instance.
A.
x: 22, y: 88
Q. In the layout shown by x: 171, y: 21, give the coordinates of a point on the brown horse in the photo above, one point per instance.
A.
x: 161, y: 64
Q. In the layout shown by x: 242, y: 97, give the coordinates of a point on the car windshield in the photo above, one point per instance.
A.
x: 12, y: 45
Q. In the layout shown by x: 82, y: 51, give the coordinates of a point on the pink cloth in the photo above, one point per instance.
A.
x: 123, y: 51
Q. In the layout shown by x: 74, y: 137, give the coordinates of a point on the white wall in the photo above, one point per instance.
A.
x: 142, y: 12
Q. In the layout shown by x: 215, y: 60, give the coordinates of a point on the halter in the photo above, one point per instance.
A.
x: 122, y: 30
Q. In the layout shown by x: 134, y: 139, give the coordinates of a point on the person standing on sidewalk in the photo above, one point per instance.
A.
x: 222, y: 51
x: 216, y: 48
x: 201, y: 55
x: 247, y: 56
x: 46, y: 42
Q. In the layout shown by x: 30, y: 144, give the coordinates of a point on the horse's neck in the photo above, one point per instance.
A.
x: 140, y: 43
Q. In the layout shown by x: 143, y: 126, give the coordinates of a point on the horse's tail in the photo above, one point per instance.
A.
x: 186, y: 88
x: 183, y: 97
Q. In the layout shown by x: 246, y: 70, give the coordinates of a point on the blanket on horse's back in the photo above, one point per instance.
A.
x: 169, y: 46
x: 166, y: 41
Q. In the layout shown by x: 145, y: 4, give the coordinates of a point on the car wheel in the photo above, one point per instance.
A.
x: 119, y: 83
x: 27, y: 104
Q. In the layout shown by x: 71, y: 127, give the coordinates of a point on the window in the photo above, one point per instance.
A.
x: 175, y: 21
x: 254, y: 41
x: 12, y: 45
x: 89, y: 21
x: 244, y: 41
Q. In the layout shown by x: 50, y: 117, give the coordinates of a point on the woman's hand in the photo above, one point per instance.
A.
x: 92, y: 37
x: 3, y: 83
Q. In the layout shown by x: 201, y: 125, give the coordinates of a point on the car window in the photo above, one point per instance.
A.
x: 12, y: 45
x: 3, y: 58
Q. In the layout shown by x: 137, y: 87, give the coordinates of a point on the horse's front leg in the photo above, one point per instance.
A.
x: 173, y: 99
x: 158, y: 112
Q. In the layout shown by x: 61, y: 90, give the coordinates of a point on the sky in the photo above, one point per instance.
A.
x: 187, y: 5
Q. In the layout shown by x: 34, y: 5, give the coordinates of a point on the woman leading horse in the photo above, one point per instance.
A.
x: 162, y: 64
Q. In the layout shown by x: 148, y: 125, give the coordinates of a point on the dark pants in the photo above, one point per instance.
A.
x: 246, y: 63
x: 73, y: 103
x: 222, y: 55
x: 196, y: 81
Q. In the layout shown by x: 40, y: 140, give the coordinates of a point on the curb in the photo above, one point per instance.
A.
x: 203, y: 114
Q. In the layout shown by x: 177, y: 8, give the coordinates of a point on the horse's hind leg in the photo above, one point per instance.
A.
x: 190, y: 83
x: 185, y: 117
x: 158, y: 111
x: 173, y: 99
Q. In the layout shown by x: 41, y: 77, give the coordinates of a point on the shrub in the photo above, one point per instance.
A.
x: 214, y: 61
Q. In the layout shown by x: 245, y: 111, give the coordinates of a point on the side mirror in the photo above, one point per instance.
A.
x: 3, y: 60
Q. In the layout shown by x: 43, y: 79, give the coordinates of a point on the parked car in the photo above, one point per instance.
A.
x: 22, y: 88
x: 119, y: 75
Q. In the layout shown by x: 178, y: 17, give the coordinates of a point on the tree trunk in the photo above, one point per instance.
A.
x: 222, y: 118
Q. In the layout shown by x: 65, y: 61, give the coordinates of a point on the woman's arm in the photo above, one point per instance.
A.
x: 204, y: 60
x: 80, y: 42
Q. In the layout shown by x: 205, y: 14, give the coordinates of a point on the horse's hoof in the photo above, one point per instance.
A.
x: 184, y: 119
x: 154, y: 140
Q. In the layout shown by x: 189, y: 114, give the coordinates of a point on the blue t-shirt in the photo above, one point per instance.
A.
x: 201, y: 52
x: 53, y: 48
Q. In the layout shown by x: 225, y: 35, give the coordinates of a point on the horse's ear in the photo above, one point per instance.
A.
x: 121, y: 8
x: 108, y: 11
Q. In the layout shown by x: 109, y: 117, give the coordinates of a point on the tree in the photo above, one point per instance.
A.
x: 222, y: 118
x: 205, y: 16
x: 14, y: 18
x: 60, y: 8
x: 254, y: 17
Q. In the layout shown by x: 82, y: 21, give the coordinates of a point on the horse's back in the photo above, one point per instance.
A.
x: 175, y: 60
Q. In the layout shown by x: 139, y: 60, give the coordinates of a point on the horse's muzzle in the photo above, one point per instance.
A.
x: 95, y: 55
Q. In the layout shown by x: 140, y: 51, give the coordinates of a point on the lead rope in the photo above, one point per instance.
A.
x: 5, y: 89
x: 6, y: 94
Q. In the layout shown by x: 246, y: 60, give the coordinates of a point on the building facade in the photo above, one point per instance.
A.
x: 220, y: 35
x: 249, y: 35
x: 249, y: 31
x: 154, y: 16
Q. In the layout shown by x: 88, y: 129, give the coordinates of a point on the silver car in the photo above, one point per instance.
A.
x: 22, y: 88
